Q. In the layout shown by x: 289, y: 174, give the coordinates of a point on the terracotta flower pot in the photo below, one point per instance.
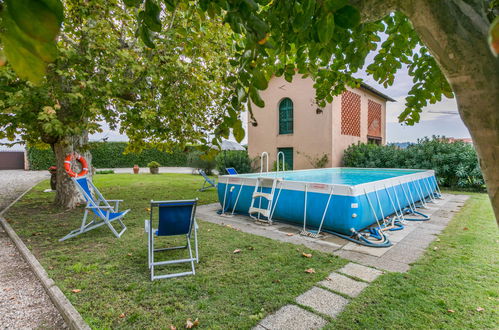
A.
x: 136, y: 169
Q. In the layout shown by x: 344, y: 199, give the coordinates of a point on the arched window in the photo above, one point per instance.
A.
x: 286, y: 116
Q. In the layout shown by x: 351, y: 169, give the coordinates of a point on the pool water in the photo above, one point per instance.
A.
x: 344, y: 176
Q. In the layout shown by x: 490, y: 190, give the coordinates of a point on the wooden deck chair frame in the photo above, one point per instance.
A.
x: 99, y: 209
x: 151, y: 233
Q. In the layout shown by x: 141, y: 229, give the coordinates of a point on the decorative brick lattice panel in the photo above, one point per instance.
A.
x: 350, y: 114
x: 373, y: 118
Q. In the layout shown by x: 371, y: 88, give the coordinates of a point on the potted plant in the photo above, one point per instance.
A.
x: 153, y: 167
x: 136, y: 169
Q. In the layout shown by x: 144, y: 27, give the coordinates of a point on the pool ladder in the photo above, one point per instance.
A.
x: 258, y: 193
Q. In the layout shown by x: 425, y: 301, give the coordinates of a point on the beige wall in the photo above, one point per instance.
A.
x: 313, y: 134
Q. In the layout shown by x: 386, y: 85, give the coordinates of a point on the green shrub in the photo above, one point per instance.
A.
x: 200, y: 161
x: 455, y: 164
x: 111, y: 155
x: 238, y: 159
x: 153, y: 164
x: 104, y: 172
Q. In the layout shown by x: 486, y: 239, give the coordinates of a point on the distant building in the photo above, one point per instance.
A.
x: 465, y: 140
x: 292, y: 122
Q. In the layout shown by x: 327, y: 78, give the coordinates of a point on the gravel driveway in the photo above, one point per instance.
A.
x: 24, y: 304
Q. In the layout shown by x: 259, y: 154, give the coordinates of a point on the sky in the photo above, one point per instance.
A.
x: 433, y: 121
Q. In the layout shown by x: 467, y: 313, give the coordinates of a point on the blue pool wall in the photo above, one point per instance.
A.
x: 341, y: 216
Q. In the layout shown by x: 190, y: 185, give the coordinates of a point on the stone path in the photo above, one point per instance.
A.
x: 329, y: 297
x: 24, y: 304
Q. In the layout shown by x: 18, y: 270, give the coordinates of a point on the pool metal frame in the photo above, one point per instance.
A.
x: 417, y: 189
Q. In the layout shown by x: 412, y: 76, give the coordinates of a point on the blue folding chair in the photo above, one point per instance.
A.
x: 103, y: 212
x: 207, y: 180
x: 231, y: 171
x: 174, y: 218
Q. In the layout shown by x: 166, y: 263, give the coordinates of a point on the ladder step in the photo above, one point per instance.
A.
x: 264, y: 195
x: 263, y: 212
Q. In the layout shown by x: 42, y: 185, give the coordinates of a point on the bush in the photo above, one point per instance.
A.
x: 153, y: 164
x: 200, y: 161
x: 111, y: 155
x: 237, y: 159
x: 455, y: 164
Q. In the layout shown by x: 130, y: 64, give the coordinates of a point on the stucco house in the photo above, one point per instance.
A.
x: 292, y: 122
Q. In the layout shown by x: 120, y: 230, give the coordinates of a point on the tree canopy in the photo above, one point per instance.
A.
x: 101, y: 72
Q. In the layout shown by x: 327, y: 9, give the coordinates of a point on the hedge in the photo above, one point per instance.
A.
x: 110, y: 155
x: 455, y: 163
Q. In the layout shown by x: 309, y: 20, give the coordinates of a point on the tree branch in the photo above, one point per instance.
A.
x: 374, y: 10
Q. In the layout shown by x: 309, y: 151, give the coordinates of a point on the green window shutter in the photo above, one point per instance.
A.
x: 286, y: 116
x: 288, y: 157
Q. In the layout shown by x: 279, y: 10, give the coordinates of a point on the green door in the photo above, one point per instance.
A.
x: 288, y: 157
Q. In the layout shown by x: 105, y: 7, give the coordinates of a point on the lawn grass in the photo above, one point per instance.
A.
x: 458, y: 275
x: 228, y: 291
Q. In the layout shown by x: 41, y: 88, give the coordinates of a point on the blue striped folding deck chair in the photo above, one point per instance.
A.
x: 208, y: 182
x: 175, y: 218
x: 231, y: 171
x: 98, y: 208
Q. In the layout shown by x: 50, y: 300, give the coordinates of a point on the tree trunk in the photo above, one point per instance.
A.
x: 455, y: 32
x: 67, y: 194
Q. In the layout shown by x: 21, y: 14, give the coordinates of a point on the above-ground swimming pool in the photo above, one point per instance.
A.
x: 337, y: 200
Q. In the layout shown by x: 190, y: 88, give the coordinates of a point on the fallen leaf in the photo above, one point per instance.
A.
x: 307, y: 255
x: 189, y: 324
x: 435, y: 248
x: 172, y: 327
x: 329, y: 279
x: 208, y: 230
x: 122, y: 315
x: 237, y: 250
x: 129, y: 254
x: 250, y: 248
x: 310, y: 271
x: 148, y: 209
x: 480, y: 309
x: 76, y: 290
x: 277, y: 281
x: 438, y: 240
x: 465, y: 228
x: 290, y: 234
x: 450, y: 311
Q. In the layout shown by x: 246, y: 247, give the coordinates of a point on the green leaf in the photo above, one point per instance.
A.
x: 334, y: 5
x: 325, y: 28
x: 259, y: 80
x: 151, y: 17
x: 238, y: 131
x: 36, y: 19
x: 132, y: 3
x: 347, y: 17
x: 255, y: 97
x: 145, y: 36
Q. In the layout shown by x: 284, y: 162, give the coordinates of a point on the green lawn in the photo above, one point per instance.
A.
x: 229, y: 290
x: 458, y: 275
x: 442, y: 290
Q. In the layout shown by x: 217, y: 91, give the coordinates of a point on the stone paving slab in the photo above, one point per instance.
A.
x: 323, y: 301
x: 376, y: 252
x: 364, y: 273
x: 343, y: 284
x: 404, y: 255
x: 291, y: 317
